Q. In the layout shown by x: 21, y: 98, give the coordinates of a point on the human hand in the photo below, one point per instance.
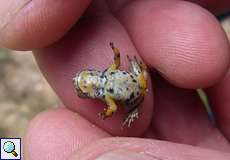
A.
x: 180, y: 40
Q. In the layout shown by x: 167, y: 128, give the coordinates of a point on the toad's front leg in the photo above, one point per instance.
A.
x: 111, y: 108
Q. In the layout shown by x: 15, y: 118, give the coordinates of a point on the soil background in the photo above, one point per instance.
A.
x: 23, y: 92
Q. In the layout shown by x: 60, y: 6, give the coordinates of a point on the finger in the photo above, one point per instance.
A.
x: 219, y: 96
x: 179, y: 116
x: 57, y: 133
x: 27, y: 24
x: 87, y: 47
x: 215, y: 6
x: 190, y: 50
x: 146, y: 149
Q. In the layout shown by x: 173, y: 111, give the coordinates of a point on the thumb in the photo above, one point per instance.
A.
x: 124, y: 155
x: 146, y: 149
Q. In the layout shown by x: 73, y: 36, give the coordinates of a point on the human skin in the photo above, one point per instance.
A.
x: 178, y: 40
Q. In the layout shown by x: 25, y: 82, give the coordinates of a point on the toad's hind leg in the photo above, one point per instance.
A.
x: 136, y: 66
x: 140, y: 70
x: 111, y: 108
x: 116, y: 62
x: 131, y: 117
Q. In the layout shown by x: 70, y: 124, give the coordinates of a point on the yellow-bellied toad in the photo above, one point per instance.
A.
x: 113, y: 85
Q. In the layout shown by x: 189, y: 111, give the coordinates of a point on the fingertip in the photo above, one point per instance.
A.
x: 27, y: 25
x: 184, y: 42
x: 146, y: 149
x: 57, y: 133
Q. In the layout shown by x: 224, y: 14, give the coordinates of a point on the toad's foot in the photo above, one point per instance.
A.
x: 102, y: 115
x: 112, y: 107
x: 105, y: 114
x: 130, y: 118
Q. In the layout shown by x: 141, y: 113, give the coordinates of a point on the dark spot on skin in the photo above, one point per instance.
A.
x: 124, y: 72
x: 104, y: 71
x: 105, y: 77
x: 120, y: 89
x: 103, y: 96
x: 111, y: 73
x: 84, y: 81
x: 118, y: 55
x: 127, y: 101
x: 127, y: 88
x: 131, y: 76
x: 134, y: 81
x: 135, y: 102
x: 91, y: 74
x: 106, y: 80
x: 84, y: 86
x: 97, y: 93
x: 110, y: 90
x: 101, y: 76
x: 132, y: 102
x: 131, y: 96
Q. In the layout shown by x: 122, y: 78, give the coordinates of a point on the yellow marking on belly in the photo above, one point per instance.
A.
x: 111, y: 108
x: 142, y: 82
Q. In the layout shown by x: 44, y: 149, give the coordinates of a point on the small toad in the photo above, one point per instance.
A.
x: 113, y: 85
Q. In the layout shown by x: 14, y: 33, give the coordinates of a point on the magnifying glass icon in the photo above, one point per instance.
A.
x: 9, y: 147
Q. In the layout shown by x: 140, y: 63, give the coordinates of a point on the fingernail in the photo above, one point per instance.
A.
x: 8, y: 9
x: 124, y: 155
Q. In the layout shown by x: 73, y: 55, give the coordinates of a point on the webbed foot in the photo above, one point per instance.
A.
x: 130, y: 118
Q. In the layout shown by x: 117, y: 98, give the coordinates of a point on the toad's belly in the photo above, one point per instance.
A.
x: 122, y: 89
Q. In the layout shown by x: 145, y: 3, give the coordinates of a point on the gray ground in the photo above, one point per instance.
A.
x: 24, y: 92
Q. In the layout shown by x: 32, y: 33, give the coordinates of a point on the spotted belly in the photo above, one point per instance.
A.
x: 122, y: 86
